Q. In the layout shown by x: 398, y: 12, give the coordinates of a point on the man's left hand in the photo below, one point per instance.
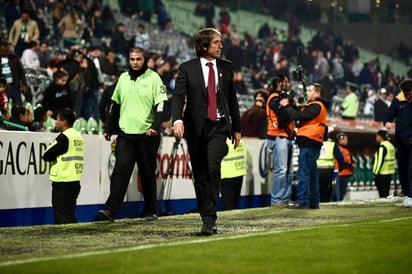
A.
x: 151, y: 132
x: 236, y: 139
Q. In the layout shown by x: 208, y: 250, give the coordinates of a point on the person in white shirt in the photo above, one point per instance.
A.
x: 141, y: 39
x: 29, y: 58
x: 368, y: 109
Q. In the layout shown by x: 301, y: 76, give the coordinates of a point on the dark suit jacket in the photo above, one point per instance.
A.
x: 191, y: 85
x: 380, y: 110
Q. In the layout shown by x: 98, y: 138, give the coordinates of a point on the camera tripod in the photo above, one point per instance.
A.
x: 166, y: 187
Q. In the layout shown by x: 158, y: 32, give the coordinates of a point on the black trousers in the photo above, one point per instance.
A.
x: 134, y: 149
x: 325, y: 184
x: 64, y: 196
x: 404, y: 160
x: 383, y: 184
x: 206, y: 153
x: 230, y: 192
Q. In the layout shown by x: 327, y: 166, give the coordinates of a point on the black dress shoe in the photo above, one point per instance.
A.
x: 207, y: 230
x: 151, y: 217
x: 105, y: 215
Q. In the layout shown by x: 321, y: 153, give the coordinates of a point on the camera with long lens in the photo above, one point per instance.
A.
x: 284, y: 93
x: 288, y: 94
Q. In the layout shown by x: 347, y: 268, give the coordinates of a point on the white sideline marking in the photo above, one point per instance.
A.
x: 202, y: 240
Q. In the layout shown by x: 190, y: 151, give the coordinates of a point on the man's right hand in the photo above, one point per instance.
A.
x: 179, y: 129
x: 390, y: 125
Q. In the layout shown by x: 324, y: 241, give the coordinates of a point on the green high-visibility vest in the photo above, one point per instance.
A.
x: 234, y: 163
x: 326, y: 158
x: 68, y: 167
x: 387, y: 163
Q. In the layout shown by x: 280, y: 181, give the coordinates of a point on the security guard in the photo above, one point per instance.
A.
x: 233, y: 168
x: 65, y: 155
x: 136, y: 113
x: 384, y: 164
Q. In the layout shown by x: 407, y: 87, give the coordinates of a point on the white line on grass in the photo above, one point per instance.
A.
x: 185, y: 242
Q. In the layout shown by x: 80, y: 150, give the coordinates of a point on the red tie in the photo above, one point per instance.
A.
x: 211, y: 90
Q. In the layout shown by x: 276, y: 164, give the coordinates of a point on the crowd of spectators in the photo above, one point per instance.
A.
x: 85, y: 39
x: 327, y: 59
x: 93, y: 31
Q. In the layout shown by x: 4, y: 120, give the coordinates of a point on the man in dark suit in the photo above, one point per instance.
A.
x: 211, y: 115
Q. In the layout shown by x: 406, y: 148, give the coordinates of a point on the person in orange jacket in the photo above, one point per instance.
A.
x: 346, y: 170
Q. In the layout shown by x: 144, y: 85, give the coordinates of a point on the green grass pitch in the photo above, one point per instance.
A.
x: 355, y: 237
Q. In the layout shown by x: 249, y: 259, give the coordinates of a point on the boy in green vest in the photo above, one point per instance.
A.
x: 65, y: 155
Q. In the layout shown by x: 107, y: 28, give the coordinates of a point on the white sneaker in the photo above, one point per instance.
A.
x: 407, y: 201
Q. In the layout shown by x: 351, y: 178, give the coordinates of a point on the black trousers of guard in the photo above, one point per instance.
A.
x: 325, y: 176
x: 134, y: 149
x: 383, y: 184
x: 64, y: 196
x: 206, y: 153
x: 230, y: 192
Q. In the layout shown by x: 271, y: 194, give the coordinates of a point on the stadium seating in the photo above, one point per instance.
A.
x: 50, y: 124
x: 92, y: 126
x: 37, y: 81
x: 80, y: 125
x: 100, y: 127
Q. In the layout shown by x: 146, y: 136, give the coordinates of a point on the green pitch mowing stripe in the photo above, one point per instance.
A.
x: 372, y: 246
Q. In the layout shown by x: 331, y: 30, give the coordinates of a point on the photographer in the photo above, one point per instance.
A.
x: 309, y: 138
x: 280, y: 135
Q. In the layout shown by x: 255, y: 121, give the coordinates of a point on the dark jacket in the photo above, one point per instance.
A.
x: 401, y: 109
x: 91, y: 76
x: 380, y: 110
x: 17, y: 71
x: 72, y: 67
x: 190, y: 79
x: 56, y: 98
x: 119, y: 43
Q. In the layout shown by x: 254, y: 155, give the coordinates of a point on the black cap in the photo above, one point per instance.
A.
x: 383, y: 133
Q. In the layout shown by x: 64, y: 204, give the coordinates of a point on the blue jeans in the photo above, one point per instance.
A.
x: 90, y: 104
x: 341, y: 187
x: 308, y: 181
x: 282, y: 156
